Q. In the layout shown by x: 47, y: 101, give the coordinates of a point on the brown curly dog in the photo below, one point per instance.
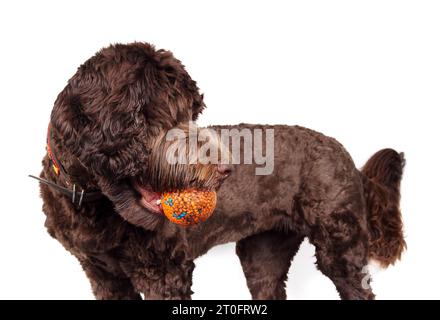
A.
x: 104, y: 171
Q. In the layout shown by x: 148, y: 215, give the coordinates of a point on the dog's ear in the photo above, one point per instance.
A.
x: 100, y: 127
x: 117, y: 102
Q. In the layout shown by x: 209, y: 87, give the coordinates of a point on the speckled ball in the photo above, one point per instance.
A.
x: 188, y: 207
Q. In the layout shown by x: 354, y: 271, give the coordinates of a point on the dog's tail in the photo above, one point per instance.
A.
x: 381, y: 179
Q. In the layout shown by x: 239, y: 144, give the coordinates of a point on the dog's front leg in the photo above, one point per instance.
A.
x: 164, y: 281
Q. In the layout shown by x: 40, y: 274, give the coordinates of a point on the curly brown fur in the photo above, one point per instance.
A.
x: 349, y: 216
x: 382, y: 175
x: 188, y: 171
x: 105, y: 127
x: 108, y: 126
x: 110, y: 113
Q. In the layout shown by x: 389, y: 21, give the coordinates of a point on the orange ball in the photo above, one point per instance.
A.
x: 188, y: 207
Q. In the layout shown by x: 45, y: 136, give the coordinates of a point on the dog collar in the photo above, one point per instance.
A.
x: 78, y: 197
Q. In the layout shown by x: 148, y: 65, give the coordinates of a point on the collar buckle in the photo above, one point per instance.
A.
x: 81, y: 196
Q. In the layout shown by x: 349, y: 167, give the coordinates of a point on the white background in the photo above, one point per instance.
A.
x: 364, y: 72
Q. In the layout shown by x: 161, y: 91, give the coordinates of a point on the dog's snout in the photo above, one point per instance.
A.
x: 224, y: 169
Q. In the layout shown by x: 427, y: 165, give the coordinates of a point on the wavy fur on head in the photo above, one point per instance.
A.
x: 186, y: 149
x: 382, y: 175
x: 106, y: 119
x: 117, y: 102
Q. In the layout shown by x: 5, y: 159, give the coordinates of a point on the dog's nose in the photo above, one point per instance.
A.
x: 224, y: 169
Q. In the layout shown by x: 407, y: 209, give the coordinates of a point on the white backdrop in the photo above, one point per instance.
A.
x: 364, y: 72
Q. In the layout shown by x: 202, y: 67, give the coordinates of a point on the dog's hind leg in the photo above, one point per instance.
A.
x: 107, y: 285
x: 266, y: 258
x: 332, y: 206
x: 341, y: 244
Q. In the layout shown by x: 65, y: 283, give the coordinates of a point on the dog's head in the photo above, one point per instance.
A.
x: 180, y: 158
x: 110, y: 124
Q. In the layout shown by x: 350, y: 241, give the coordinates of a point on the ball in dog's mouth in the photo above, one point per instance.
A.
x: 188, y: 207
x: 183, y: 207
